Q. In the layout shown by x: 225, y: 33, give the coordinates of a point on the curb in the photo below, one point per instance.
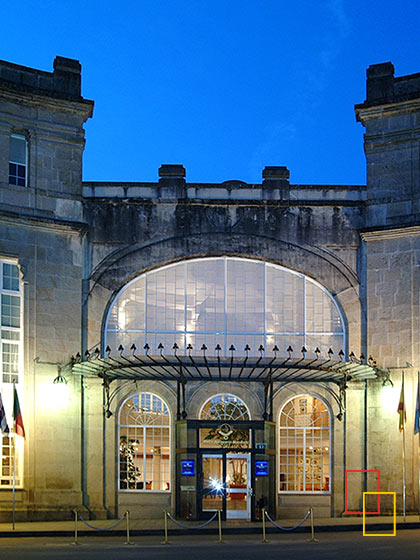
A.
x: 225, y: 530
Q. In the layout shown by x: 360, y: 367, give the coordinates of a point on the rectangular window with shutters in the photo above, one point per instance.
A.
x: 18, y: 161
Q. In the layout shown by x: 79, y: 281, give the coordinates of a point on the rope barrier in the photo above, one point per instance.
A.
x: 288, y: 528
x: 190, y: 526
x: 167, y: 515
x: 101, y: 528
x: 79, y: 515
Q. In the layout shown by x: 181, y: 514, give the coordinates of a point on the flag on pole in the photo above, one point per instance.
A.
x: 3, y: 421
x: 401, y: 409
x: 417, y: 412
x: 17, y: 415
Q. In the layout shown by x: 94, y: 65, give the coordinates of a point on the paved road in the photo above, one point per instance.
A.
x: 342, y: 546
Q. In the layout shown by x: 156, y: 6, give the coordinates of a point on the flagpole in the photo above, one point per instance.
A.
x: 14, y: 482
x: 403, y: 454
x: 418, y: 397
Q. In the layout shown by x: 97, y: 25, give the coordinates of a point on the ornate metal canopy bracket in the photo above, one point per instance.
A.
x: 339, y: 396
x: 110, y: 395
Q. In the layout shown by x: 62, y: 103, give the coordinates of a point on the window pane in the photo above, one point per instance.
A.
x: 18, y: 150
x: 245, y: 296
x: 131, y: 459
x: 10, y: 362
x: 285, y: 301
x: 10, y: 335
x: 321, y: 314
x: 6, y: 469
x: 205, y: 296
x: 10, y: 311
x: 157, y: 458
x: 10, y: 277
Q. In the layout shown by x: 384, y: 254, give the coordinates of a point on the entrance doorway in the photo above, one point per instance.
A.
x: 238, y: 487
x: 227, y: 482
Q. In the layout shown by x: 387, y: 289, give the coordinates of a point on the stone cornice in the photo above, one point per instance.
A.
x: 366, y: 112
x: 82, y: 106
x: 44, y: 224
x: 394, y: 233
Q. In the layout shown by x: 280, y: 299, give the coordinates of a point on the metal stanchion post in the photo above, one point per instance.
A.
x: 219, y: 522
x: 127, y: 520
x: 165, y: 524
x: 263, y: 525
x: 75, y: 527
x: 312, y: 539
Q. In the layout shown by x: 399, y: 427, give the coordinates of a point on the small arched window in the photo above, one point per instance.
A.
x: 224, y: 407
x: 144, y: 443
x: 304, y: 446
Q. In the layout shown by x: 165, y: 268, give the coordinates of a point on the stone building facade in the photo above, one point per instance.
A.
x: 93, y: 268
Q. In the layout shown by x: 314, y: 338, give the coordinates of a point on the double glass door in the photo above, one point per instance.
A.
x: 227, y: 484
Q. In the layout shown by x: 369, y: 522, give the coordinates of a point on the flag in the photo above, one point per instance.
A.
x: 401, y: 408
x: 17, y: 415
x: 3, y: 421
x: 417, y: 412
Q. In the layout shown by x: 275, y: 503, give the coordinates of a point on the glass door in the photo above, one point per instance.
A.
x: 238, y: 486
x: 213, y: 483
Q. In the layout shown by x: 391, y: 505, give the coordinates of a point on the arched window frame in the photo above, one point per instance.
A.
x: 224, y: 419
x: 144, y: 427
x: 305, y: 428
x: 147, y: 335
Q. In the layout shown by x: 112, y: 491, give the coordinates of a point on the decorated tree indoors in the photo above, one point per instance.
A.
x: 129, y: 473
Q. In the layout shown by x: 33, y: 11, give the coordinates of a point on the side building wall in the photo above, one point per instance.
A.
x: 41, y: 230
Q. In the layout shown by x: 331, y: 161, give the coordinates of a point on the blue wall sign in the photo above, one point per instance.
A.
x: 261, y: 468
x: 188, y: 468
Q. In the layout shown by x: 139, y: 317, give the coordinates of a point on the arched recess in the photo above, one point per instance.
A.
x: 328, y: 269
x: 123, y: 265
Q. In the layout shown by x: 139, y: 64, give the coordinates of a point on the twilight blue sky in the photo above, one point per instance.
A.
x: 224, y: 87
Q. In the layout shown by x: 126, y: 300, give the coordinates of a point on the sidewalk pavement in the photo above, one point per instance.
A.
x: 155, y: 526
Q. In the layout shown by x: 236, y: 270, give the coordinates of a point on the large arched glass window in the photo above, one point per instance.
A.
x: 226, y: 301
x: 304, y: 446
x: 144, y: 443
x: 224, y: 407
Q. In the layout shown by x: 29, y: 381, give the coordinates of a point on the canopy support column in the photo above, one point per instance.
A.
x: 268, y: 397
x: 178, y: 400
x: 184, y: 412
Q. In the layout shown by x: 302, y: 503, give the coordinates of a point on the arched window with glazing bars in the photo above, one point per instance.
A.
x: 304, y: 446
x: 144, y: 443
